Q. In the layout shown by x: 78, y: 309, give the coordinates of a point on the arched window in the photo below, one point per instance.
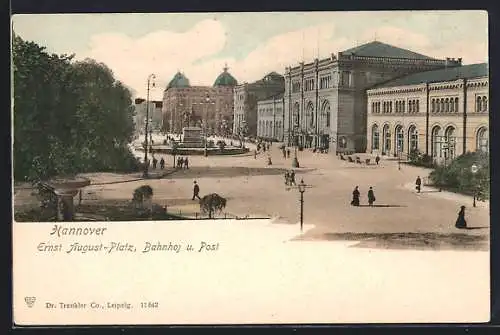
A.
x: 478, y: 104
x: 399, y: 139
x: 325, y: 114
x: 418, y: 107
x: 403, y: 104
x: 433, y: 105
x: 386, y: 138
x: 438, y: 109
x: 482, y: 140
x: 447, y: 105
x: 449, y: 142
x: 375, y: 137
x: 412, y: 139
x: 485, y: 104
x: 296, y: 114
x: 310, y: 114
x: 452, y: 105
x: 442, y: 105
x: 436, y: 141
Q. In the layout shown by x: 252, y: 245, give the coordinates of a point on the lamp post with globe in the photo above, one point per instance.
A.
x: 302, y: 189
x: 474, y: 169
x: 151, y: 79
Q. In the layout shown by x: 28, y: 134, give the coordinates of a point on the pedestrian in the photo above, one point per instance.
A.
x: 162, y: 163
x: 186, y: 163
x: 288, y: 153
x: 371, y: 196
x: 287, y: 178
x: 155, y: 162
x: 355, y: 197
x: 377, y: 159
x: 461, y: 223
x: 292, y: 178
x: 269, y: 161
x: 284, y: 152
x: 196, y: 191
x: 264, y: 147
x: 418, y: 184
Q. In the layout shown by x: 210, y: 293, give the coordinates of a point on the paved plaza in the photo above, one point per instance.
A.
x: 255, y: 189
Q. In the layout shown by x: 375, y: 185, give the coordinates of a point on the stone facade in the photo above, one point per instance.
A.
x: 155, y: 114
x: 325, y: 101
x: 211, y: 106
x: 442, y: 119
x: 246, y: 97
x: 270, y: 118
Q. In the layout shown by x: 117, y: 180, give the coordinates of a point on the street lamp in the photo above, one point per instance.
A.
x: 474, y: 169
x: 302, y: 189
x: 151, y: 77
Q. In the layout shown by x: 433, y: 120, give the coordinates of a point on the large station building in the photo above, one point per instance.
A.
x: 326, y: 100
x: 442, y: 113
x: 210, y: 107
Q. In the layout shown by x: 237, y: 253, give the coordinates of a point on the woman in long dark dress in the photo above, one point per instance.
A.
x: 355, y: 197
x: 461, y: 223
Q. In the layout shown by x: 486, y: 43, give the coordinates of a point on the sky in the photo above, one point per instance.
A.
x: 251, y: 44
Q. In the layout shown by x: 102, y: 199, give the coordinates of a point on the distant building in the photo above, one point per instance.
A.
x: 211, y: 106
x: 155, y: 114
x: 245, y: 101
x: 442, y: 113
x: 270, y: 118
x: 325, y: 101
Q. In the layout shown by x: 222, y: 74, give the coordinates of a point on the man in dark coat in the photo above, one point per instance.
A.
x: 186, y: 163
x: 162, y: 163
x: 355, y: 197
x: 287, y: 153
x: 461, y: 223
x: 371, y: 196
x: 196, y: 191
x: 155, y: 162
x: 418, y: 184
x: 292, y: 178
x: 377, y: 159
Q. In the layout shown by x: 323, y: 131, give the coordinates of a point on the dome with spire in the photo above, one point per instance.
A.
x: 179, y: 80
x: 225, y: 79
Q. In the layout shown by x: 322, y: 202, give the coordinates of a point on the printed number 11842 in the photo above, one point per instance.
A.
x: 153, y: 304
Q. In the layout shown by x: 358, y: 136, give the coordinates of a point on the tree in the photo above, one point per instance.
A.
x: 142, y: 197
x: 68, y: 117
x: 212, y: 203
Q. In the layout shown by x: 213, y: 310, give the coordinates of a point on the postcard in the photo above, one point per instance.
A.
x: 250, y: 168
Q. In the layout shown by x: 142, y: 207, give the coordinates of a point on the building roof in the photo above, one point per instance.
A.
x: 447, y: 74
x: 225, y: 79
x: 179, y: 80
x: 379, y: 49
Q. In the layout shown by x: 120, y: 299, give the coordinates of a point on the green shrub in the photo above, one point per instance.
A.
x: 457, y: 176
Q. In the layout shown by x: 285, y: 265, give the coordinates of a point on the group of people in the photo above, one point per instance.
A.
x: 286, y: 152
x: 356, y: 196
x: 265, y: 146
x: 182, y: 163
x: 290, y: 178
x: 155, y: 163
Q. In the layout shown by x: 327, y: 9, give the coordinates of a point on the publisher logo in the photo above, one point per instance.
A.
x: 30, y: 301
